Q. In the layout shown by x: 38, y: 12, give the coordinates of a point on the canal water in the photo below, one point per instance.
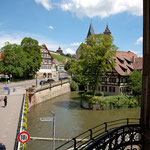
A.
x: 71, y: 119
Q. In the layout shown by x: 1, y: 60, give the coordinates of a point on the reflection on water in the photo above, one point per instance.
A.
x: 71, y: 119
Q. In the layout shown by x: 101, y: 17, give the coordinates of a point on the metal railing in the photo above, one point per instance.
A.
x: 19, y: 124
x: 54, y: 84
x: 88, y: 137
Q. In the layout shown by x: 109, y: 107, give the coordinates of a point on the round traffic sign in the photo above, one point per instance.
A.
x: 23, y: 137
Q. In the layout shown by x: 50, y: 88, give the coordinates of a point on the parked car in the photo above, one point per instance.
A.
x: 62, y: 78
x: 50, y: 80
x: 42, y: 82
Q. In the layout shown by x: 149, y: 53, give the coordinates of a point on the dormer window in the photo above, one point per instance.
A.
x: 121, y: 61
x: 124, y: 69
x: 129, y: 62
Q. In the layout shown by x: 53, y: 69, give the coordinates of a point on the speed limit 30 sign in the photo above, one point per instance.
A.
x: 23, y: 137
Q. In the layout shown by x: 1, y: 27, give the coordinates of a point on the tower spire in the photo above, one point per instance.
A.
x: 91, y: 30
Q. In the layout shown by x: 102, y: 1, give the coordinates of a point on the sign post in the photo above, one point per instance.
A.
x: 23, y: 137
x: 51, y: 119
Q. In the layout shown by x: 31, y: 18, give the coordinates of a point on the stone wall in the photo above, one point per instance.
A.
x: 52, y: 92
x: 38, y: 96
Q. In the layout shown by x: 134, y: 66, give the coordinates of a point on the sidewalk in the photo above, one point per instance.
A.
x: 9, y: 117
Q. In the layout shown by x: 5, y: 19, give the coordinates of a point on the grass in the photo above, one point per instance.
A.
x: 59, y: 58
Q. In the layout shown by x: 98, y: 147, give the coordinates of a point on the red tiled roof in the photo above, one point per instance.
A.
x: 124, y: 62
x: 43, y: 46
x: 107, y: 31
x: 138, y: 63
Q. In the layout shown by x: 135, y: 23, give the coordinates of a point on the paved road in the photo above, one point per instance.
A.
x: 9, y: 115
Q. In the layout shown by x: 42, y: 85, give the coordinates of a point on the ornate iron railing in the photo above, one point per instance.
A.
x: 118, y: 134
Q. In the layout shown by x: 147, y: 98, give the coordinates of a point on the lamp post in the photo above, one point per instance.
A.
x: 53, y: 130
x: 51, y: 119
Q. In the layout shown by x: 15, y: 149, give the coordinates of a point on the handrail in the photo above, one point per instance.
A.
x: 19, y: 124
x: 44, y: 87
x: 96, y: 132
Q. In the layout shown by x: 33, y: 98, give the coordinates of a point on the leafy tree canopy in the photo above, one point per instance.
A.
x: 96, y: 58
x: 69, y: 63
x: 14, y: 60
x: 135, y: 82
x: 32, y: 50
x: 21, y: 60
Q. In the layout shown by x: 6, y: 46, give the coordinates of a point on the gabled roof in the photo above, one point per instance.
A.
x: 91, y: 31
x: 43, y: 46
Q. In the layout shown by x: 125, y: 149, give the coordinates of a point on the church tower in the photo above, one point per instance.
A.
x: 91, y: 31
x: 107, y: 31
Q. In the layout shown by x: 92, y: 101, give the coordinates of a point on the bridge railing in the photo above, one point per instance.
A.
x: 90, y: 135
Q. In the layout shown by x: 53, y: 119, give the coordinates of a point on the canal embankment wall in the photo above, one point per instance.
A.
x: 43, y: 93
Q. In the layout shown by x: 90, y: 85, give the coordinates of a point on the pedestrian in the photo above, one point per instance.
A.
x: 2, y: 147
x: 5, y: 101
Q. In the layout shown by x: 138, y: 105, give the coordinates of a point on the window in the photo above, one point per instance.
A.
x: 49, y: 67
x: 123, y: 80
x: 104, y: 88
x: 45, y: 61
x: 48, y: 61
x: 104, y: 79
x: 121, y: 61
x: 123, y: 69
x: 111, y: 89
x: 112, y: 80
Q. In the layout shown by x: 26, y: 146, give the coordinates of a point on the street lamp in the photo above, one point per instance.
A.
x: 51, y: 119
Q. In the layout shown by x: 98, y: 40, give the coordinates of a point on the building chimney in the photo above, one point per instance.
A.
x: 133, y: 59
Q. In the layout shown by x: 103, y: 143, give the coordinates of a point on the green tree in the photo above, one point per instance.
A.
x: 96, y: 58
x: 14, y: 60
x: 78, y: 75
x: 69, y: 63
x: 32, y: 51
x: 135, y: 82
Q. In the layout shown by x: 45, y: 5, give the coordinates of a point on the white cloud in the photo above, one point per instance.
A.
x: 45, y: 3
x: 51, y: 27
x: 139, y: 41
x: 70, y: 51
x: 17, y: 37
x: 137, y: 52
x: 75, y: 44
x: 8, y: 38
x: 102, y: 8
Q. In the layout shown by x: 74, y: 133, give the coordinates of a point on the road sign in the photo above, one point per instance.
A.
x: 23, y: 137
x: 46, y: 118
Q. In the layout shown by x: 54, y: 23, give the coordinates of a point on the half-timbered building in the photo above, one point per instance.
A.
x: 116, y: 82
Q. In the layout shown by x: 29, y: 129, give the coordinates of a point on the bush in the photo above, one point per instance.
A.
x: 112, y: 102
x: 74, y: 86
x: 25, y: 113
x: 24, y: 125
x: 100, y: 94
x: 24, y: 119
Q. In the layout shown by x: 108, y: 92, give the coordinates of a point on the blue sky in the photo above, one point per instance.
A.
x: 65, y: 23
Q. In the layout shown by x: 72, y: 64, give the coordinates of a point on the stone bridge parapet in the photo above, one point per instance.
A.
x: 43, y: 93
